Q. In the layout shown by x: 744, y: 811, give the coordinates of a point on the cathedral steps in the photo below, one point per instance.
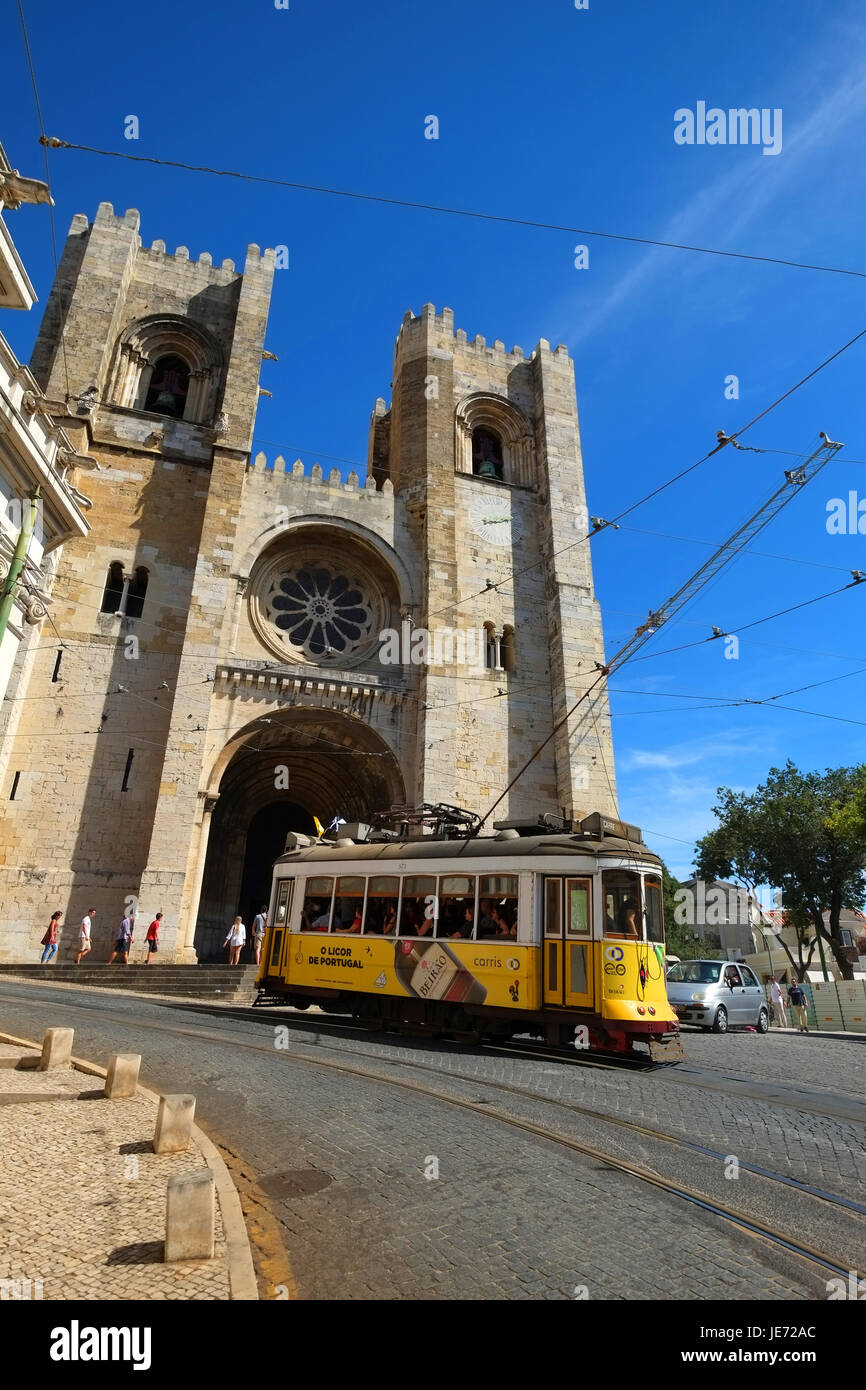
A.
x: 235, y: 984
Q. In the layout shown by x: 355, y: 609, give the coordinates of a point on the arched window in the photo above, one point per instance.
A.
x: 487, y: 454
x: 168, y: 365
x: 491, y: 647
x: 494, y: 440
x: 507, y: 648
x: 499, y: 652
x: 135, y: 593
x: 169, y: 387
x: 113, y: 593
x: 122, y: 595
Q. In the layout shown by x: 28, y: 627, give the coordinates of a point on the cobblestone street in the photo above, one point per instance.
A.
x: 346, y: 1165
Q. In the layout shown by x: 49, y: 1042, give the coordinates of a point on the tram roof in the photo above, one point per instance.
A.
x: 487, y: 848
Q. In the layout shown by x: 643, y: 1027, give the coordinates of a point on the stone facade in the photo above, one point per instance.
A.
x: 252, y: 690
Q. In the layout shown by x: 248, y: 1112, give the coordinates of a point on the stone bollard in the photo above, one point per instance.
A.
x: 189, y: 1217
x: 122, y: 1078
x: 56, y: 1048
x: 174, y: 1124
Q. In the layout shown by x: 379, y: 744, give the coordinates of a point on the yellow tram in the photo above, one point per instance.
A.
x: 525, y: 931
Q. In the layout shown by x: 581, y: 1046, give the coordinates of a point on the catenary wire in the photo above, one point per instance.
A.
x: 727, y: 439
x: 56, y: 143
x: 43, y: 140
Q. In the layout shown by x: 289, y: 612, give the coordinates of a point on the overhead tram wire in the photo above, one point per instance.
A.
x: 723, y: 438
x: 756, y: 622
x: 514, y: 687
x: 795, y: 479
x: 45, y: 143
x: 152, y: 626
x: 58, y: 144
x: 726, y: 701
x: 182, y: 607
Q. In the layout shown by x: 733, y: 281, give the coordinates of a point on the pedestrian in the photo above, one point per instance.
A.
x: 260, y: 924
x: 153, y: 937
x: 49, y: 940
x: 235, y: 940
x: 85, y: 935
x: 777, y: 1001
x: 798, y: 1002
x: 125, y: 938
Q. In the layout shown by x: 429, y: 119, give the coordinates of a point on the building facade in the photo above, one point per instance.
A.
x: 248, y: 645
x: 36, y: 457
x: 40, y: 509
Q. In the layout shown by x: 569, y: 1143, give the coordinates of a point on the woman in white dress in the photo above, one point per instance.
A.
x: 235, y: 941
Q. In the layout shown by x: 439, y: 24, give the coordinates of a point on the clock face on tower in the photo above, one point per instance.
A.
x: 493, y: 519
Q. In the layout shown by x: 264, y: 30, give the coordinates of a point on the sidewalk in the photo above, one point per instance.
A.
x: 83, y: 1195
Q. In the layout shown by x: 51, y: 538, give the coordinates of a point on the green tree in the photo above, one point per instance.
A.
x: 804, y: 832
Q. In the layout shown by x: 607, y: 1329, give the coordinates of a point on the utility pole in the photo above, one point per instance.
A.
x: 820, y: 936
x: 7, y: 598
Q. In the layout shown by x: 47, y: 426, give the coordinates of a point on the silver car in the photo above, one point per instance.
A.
x: 717, y: 995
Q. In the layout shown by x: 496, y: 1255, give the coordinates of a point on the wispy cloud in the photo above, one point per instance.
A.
x: 735, y: 198
x: 692, y: 751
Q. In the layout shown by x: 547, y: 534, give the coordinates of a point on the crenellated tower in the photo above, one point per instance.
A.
x: 482, y: 447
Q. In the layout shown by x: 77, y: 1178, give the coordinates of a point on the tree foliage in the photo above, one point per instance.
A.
x: 804, y: 832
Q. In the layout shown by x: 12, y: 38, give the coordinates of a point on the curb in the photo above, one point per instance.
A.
x: 242, y: 1274
x: 121, y: 993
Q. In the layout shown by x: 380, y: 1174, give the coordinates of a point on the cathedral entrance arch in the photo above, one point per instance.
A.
x: 279, y: 772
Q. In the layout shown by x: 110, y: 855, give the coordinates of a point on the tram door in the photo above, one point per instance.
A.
x: 278, y: 934
x: 568, y: 973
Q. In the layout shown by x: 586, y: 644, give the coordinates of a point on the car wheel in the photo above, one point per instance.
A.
x: 720, y: 1022
x: 763, y: 1024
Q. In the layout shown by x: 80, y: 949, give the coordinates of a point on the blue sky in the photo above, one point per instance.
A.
x: 558, y: 115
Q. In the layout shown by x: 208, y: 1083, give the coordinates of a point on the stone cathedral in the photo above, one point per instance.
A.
x: 212, y: 673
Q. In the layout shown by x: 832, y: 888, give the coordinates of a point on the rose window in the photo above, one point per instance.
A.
x: 321, y: 611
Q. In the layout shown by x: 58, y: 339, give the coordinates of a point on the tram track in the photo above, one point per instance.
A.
x: 482, y: 1107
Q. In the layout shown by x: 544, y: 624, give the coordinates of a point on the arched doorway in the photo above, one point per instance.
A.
x: 279, y: 772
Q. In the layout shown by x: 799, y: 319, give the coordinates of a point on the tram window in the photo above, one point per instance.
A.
x: 284, y: 898
x: 456, y: 905
x: 419, y: 906
x: 497, y: 905
x: 654, y: 921
x: 622, y: 903
x: 349, y: 904
x: 577, y: 920
x: 318, y: 895
x: 552, y: 905
x: 382, y: 895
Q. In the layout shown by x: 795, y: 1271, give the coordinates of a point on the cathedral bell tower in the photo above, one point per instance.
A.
x: 150, y: 361
x: 483, y: 448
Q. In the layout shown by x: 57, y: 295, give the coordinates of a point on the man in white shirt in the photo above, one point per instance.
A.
x: 85, y: 942
x: 260, y: 923
x: 777, y: 1001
